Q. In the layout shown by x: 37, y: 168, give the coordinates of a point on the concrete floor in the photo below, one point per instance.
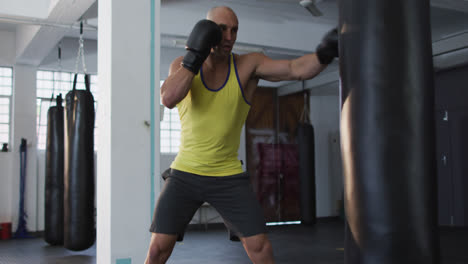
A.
x: 293, y: 244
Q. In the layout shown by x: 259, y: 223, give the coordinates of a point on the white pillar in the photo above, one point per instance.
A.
x: 24, y: 126
x: 7, y: 58
x: 124, y: 189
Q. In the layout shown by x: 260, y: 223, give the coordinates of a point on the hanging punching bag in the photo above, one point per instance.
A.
x: 53, y: 232
x: 79, y: 231
x: 387, y: 132
x: 305, y: 138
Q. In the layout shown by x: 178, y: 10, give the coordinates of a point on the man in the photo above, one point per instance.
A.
x: 212, y: 89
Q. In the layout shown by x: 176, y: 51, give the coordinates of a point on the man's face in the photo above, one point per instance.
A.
x: 229, y: 25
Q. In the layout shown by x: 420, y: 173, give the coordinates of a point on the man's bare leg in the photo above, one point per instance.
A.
x: 160, y: 248
x: 258, y: 249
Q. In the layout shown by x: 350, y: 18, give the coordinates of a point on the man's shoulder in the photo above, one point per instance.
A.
x: 249, y: 56
x: 249, y: 59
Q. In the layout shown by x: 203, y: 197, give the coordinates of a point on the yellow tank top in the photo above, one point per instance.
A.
x: 211, y: 123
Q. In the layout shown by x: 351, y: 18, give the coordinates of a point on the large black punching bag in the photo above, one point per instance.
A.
x: 79, y: 232
x: 53, y: 212
x: 387, y: 132
x: 306, y: 145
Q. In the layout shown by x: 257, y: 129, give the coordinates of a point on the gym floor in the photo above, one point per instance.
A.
x: 320, y: 244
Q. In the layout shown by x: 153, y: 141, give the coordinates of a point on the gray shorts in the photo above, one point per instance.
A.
x: 232, y: 196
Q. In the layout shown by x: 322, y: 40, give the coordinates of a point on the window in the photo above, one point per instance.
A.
x: 50, y: 83
x: 6, y: 87
x: 170, y: 130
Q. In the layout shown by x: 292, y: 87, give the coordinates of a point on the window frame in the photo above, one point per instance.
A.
x: 9, y: 98
x: 170, y: 144
x: 41, y: 113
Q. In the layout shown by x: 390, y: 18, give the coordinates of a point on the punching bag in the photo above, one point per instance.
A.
x: 305, y: 138
x: 79, y: 231
x: 387, y: 132
x: 53, y: 232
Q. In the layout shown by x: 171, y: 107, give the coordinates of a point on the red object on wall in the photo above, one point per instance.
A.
x: 278, y: 181
x: 5, y: 231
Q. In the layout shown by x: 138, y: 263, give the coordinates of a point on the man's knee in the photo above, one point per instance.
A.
x: 259, y: 249
x: 258, y: 244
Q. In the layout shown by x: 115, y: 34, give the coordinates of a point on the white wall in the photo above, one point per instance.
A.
x: 7, y: 48
x: 324, y: 114
x: 24, y: 126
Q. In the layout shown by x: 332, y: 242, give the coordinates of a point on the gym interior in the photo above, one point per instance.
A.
x: 125, y: 49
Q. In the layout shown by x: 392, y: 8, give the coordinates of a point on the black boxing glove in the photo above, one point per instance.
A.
x: 327, y: 50
x: 205, y: 35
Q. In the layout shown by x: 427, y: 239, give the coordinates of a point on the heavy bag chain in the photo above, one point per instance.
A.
x: 80, y: 52
x: 60, y: 72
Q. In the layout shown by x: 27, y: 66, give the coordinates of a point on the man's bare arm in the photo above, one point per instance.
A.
x: 177, y: 84
x: 302, y: 68
x: 205, y: 35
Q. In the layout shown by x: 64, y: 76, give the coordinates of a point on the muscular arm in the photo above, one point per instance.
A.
x: 205, y: 35
x: 177, y: 84
x: 302, y: 68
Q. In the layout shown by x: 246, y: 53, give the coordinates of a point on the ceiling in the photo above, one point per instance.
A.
x: 280, y: 28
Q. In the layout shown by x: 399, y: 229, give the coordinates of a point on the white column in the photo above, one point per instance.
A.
x: 7, y: 58
x: 124, y: 143
x: 6, y: 204
x: 24, y: 126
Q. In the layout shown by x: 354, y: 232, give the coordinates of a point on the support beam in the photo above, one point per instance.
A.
x: 34, y: 43
x: 450, y: 44
x: 451, y: 60
x: 455, y: 5
x: 451, y: 51
x: 128, y: 55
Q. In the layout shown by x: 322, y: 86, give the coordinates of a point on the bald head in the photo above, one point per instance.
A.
x: 218, y: 12
x: 227, y: 21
